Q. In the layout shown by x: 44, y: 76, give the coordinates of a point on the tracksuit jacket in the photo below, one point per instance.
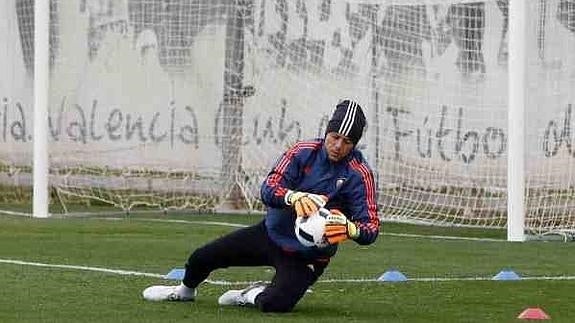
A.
x: 348, y: 184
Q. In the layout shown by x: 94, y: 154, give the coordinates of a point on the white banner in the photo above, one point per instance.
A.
x: 143, y: 86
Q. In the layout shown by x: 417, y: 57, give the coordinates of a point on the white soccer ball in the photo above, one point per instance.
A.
x: 310, y: 230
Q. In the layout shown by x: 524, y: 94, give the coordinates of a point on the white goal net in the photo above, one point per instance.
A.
x: 173, y: 104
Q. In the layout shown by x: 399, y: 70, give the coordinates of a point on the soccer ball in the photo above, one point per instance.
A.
x: 310, y: 230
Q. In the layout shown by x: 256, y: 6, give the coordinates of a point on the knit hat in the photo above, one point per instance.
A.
x: 348, y: 120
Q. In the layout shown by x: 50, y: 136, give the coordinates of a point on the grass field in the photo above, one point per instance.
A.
x: 111, y: 260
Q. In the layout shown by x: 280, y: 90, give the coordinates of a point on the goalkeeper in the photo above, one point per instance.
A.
x: 326, y: 172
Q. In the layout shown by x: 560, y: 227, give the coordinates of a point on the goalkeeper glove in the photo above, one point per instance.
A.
x: 305, y: 204
x: 338, y: 228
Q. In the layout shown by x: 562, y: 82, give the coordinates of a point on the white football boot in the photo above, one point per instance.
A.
x: 242, y: 297
x: 178, y: 293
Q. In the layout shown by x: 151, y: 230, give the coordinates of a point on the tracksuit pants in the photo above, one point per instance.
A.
x: 252, y: 246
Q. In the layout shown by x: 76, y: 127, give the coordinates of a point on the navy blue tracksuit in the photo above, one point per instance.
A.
x: 304, y: 167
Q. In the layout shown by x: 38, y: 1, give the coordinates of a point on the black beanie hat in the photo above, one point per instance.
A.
x: 348, y: 120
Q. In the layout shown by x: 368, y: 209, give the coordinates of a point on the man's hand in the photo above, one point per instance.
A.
x: 338, y: 228
x: 305, y: 204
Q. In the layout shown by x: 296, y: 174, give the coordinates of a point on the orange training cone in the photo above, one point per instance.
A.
x: 533, y: 313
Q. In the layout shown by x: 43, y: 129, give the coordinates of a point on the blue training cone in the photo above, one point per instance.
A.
x: 506, y: 275
x: 392, y: 276
x: 176, y: 274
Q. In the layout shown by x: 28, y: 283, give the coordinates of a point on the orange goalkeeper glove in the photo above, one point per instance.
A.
x: 338, y: 228
x: 305, y: 204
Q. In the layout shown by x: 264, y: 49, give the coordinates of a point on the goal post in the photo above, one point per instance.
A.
x: 516, y: 155
x: 41, y: 95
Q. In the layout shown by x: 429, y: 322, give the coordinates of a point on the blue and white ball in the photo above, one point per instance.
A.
x: 310, y: 230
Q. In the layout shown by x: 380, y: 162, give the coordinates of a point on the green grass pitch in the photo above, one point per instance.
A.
x: 448, y: 278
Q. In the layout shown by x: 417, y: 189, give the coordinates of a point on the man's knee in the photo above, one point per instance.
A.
x: 268, y: 304
x: 268, y: 307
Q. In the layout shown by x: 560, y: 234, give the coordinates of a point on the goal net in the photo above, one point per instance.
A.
x: 177, y: 104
